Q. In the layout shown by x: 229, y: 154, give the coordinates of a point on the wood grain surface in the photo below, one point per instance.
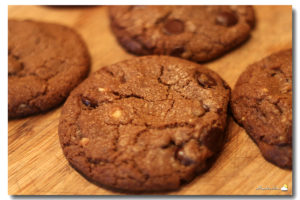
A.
x: 36, y: 164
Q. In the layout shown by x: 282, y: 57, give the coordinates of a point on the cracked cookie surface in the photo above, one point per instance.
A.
x: 45, y: 62
x: 198, y: 33
x: 146, y: 124
x: 262, y: 103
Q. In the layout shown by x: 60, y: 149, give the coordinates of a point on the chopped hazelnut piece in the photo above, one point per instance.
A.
x: 84, y: 142
x: 117, y: 113
x: 22, y: 105
x: 281, y: 138
x: 102, y: 89
x: 283, y: 119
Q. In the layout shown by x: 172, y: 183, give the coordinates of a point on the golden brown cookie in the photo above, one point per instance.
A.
x: 45, y: 62
x: 198, y: 33
x: 146, y: 124
x: 262, y: 103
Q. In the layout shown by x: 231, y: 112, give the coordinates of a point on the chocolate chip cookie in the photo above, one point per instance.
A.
x: 262, y: 104
x: 146, y: 124
x: 45, y: 62
x: 198, y: 33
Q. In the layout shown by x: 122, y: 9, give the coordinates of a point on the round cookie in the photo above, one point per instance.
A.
x: 198, y: 33
x: 147, y: 124
x: 45, y: 62
x: 262, y: 103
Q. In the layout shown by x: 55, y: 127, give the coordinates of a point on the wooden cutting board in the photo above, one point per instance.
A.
x: 36, y: 164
